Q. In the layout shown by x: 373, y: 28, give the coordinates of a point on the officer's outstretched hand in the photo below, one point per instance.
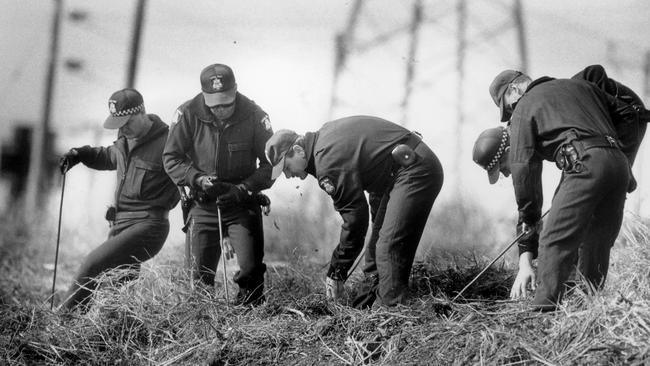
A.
x: 234, y: 196
x: 68, y: 160
x: 333, y: 288
x: 525, y: 277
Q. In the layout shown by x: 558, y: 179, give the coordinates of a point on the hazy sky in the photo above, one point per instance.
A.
x: 282, y: 55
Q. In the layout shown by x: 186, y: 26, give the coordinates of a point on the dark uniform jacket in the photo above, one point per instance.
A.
x: 542, y: 118
x: 199, y: 145
x: 349, y: 156
x: 142, y: 183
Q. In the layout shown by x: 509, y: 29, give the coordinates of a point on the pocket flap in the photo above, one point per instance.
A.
x: 239, y: 147
x: 149, y: 165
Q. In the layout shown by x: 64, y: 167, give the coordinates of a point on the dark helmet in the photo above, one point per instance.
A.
x: 489, y: 148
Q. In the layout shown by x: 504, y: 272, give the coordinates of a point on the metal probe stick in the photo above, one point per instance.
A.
x: 223, y: 258
x: 493, y: 261
x: 58, y: 237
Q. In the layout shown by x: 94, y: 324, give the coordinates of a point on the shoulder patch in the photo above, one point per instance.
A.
x: 266, y: 122
x: 176, y: 117
x: 326, y: 184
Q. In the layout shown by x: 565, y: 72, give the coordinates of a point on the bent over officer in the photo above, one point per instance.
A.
x: 143, y: 197
x: 215, y: 143
x: 566, y: 121
x: 355, y: 154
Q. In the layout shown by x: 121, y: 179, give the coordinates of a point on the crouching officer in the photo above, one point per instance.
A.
x: 143, y: 198
x: 566, y: 121
x: 355, y: 154
x: 215, y: 144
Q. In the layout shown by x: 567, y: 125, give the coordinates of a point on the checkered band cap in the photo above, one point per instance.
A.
x: 129, y: 111
x: 121, y: 105
x: 489, y: 148
x: 500, y: 150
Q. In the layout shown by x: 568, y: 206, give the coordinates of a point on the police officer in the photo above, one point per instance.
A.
x: 355, y: 154
x: 566, y: 121
x: 216, y: 147
x: 143, y: 197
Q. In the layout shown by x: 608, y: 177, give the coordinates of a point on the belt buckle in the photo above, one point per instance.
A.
x: 611, y: 140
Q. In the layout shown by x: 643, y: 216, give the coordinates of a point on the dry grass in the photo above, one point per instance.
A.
x: 161, y: 319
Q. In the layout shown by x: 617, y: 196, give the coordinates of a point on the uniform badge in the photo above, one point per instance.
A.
x: 111, y: 106
x: 327, y: 185
x: 266, y: 122
x: 216, y: 83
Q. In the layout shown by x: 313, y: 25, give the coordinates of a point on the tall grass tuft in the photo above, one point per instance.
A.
x: 164, y: 318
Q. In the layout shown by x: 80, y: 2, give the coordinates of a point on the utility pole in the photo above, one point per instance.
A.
x: 414, y: 36
x: 135, y: 43
x: 41, y: 145
x: 521, y: 35
x: 460, y: 96
x: 343, y: 44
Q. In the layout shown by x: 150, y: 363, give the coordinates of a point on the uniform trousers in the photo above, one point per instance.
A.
x: 398, y: 222
x: 583, y: 223
x: 130, y: 242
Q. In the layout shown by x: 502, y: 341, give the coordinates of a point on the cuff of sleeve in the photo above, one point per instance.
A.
x: 84, y: 153
x: 337, y: 274
x: 529, y: 246
x: 190, y: 177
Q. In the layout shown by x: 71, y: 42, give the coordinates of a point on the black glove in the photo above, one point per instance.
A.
x: 263, y: 200
x: 212, y: 187
x: 235, y: 196
x: 529, y: 242
x: 68, y: 160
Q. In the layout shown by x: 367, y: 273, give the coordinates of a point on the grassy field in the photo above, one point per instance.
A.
x: 164, y: 319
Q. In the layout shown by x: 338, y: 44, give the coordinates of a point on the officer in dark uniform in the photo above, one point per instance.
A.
x: 566, y: 121
x: 216, y: 147
x: 143, y: 197
x: 355, y: 154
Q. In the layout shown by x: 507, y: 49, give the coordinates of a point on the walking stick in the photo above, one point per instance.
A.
x: 58, y: 237
x: 494, y: 260
x: 223, y: 257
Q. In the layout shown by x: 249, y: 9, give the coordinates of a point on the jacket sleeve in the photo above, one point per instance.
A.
x: 526, y: 169
x: 351, y: 204
x: 99, y: 158
x: 261, y: 178
x: 177, y: 148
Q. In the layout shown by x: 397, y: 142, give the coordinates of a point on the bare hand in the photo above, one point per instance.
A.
x: 333, y: 288
x: 525, y: 277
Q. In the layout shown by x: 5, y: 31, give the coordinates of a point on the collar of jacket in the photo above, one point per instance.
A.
x: 157, y: 128
x: 204, y: 115
x: 536, y: 82
x: 310, y: 142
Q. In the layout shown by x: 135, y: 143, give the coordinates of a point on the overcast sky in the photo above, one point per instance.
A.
x: 282, y: 55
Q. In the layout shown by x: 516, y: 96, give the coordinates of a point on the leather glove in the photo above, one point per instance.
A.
x: 228, y: 251
x: 264, y: 201
x: 236, y: 195
x: 68, y: 160
x: 333, y: 288
x: 212, y: 187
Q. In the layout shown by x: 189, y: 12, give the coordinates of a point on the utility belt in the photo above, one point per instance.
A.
x: 569, y: 155
x: 113, y: 216
x: 403, y: 153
